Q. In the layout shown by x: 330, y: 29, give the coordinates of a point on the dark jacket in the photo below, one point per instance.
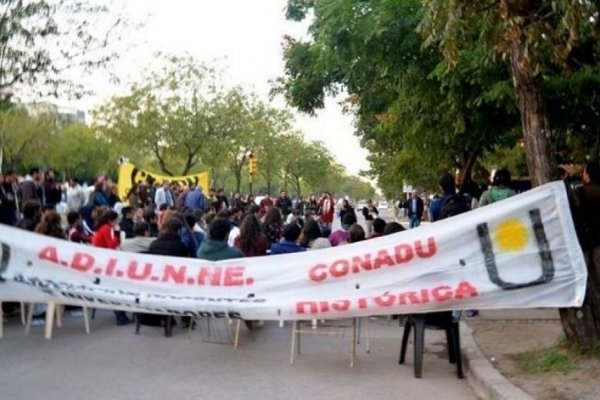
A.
x: 285, y: 205
x: 127, y: 227
x: 587, y: 215
x: 369, y: 211
x: 419, y: 211
x: 169, y: 244
x: 215, y: 250
x: 285, y: 247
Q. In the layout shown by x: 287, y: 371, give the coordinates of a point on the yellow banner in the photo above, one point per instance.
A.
x: 130, y: 175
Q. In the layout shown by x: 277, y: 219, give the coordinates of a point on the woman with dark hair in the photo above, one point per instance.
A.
x: 106, y: 234
x: 311, y: 236
x: 251, y: 241
x: 392, y: 227
x: 356, y: 233
x: 51, y: 225
x: 345, y: 209
x: 273, y: 225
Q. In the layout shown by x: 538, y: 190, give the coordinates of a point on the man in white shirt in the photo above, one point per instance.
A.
x: 164, y: 195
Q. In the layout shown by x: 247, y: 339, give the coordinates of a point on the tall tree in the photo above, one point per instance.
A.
x: 531, y: 36
x: 169, y: 114
x: 41, y: 40
x: 414, y: 114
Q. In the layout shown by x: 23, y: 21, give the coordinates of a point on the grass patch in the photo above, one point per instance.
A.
x: 546, y: 361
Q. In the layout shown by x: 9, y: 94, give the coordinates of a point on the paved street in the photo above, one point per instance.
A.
x: 113, y: 363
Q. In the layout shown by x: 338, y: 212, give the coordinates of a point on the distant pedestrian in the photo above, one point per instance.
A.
x: 370, y: 212
x: 415, y: 210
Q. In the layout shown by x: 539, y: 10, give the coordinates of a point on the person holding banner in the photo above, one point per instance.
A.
x: 587, y: 221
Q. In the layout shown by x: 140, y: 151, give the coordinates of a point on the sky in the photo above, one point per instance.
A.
x: 243, y: 37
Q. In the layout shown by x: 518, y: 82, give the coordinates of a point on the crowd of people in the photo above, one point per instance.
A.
x: 166, y: 219
x: 170, y: 220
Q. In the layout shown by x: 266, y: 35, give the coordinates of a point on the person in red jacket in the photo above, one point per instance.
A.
x: 326, y: 211
x: 107, y: 231
x: 107, y: 236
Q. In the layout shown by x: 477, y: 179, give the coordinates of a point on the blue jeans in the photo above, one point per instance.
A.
x: 414, y: 222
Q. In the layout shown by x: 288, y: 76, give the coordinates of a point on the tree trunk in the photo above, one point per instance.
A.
x: 581, y: 325
x: 467, y: 170
x: 528, y: 92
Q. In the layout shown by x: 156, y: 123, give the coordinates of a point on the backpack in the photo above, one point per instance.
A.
x: 452, y: 205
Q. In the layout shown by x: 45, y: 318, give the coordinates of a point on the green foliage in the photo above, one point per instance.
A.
x: 167, y: 115
x: 78, y: 153
x: 23, y: 137
x: 43, y: 39
x: 416, y: 115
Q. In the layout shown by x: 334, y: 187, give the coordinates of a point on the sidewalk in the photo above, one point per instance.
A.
x: 497, y: 343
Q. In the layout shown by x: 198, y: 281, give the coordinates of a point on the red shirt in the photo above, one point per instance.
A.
x: 327, y: 209
x: 105, y: 237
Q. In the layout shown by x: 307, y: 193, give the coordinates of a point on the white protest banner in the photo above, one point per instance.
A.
x: 518, y: 253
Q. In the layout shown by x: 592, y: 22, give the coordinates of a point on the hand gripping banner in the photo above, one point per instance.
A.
x: 518, y: 253
x: 130, y: 175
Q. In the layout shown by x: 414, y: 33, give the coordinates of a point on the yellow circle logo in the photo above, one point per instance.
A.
x: 512, y: 235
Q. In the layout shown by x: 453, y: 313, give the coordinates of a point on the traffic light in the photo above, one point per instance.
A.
x: 252, y: 164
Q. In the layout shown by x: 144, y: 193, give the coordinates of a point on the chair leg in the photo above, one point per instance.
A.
x: 137, y: 323
x: 168, y: 326
x: 293, y: 345
x: 50, y: 311
x: 93, y: 314
x: 29, y: 319
x: 457, y: 352
x: 86, y: 320
x: 1, y: 322
x: 236, y: 338
x: 450, y: 344
x: 405, y: 336
x: 419, y: 344
x: 367, y: 323
x: 59, y: 315
x: 23, y: 314
x: 355, y: 327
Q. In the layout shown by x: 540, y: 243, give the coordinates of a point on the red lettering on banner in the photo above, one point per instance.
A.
x: 82, y: 262
x: 383, y: 258
x: 359, y: 263
x: 442, y: 293
x: 404, y: 254
x: 111, y: 266
x: 177, y: 275
x: 409, y: 297
x: 431, y: 248
x: 400, y: 254
x: 212, y: 274
x: 424, y: 296
x: 234, y: 276
x: 317, y: 273
x: 301, y: 307
x: 134, y: 274
x: 465, y: 289
x: 49, y: 254
x: 340, y: 268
